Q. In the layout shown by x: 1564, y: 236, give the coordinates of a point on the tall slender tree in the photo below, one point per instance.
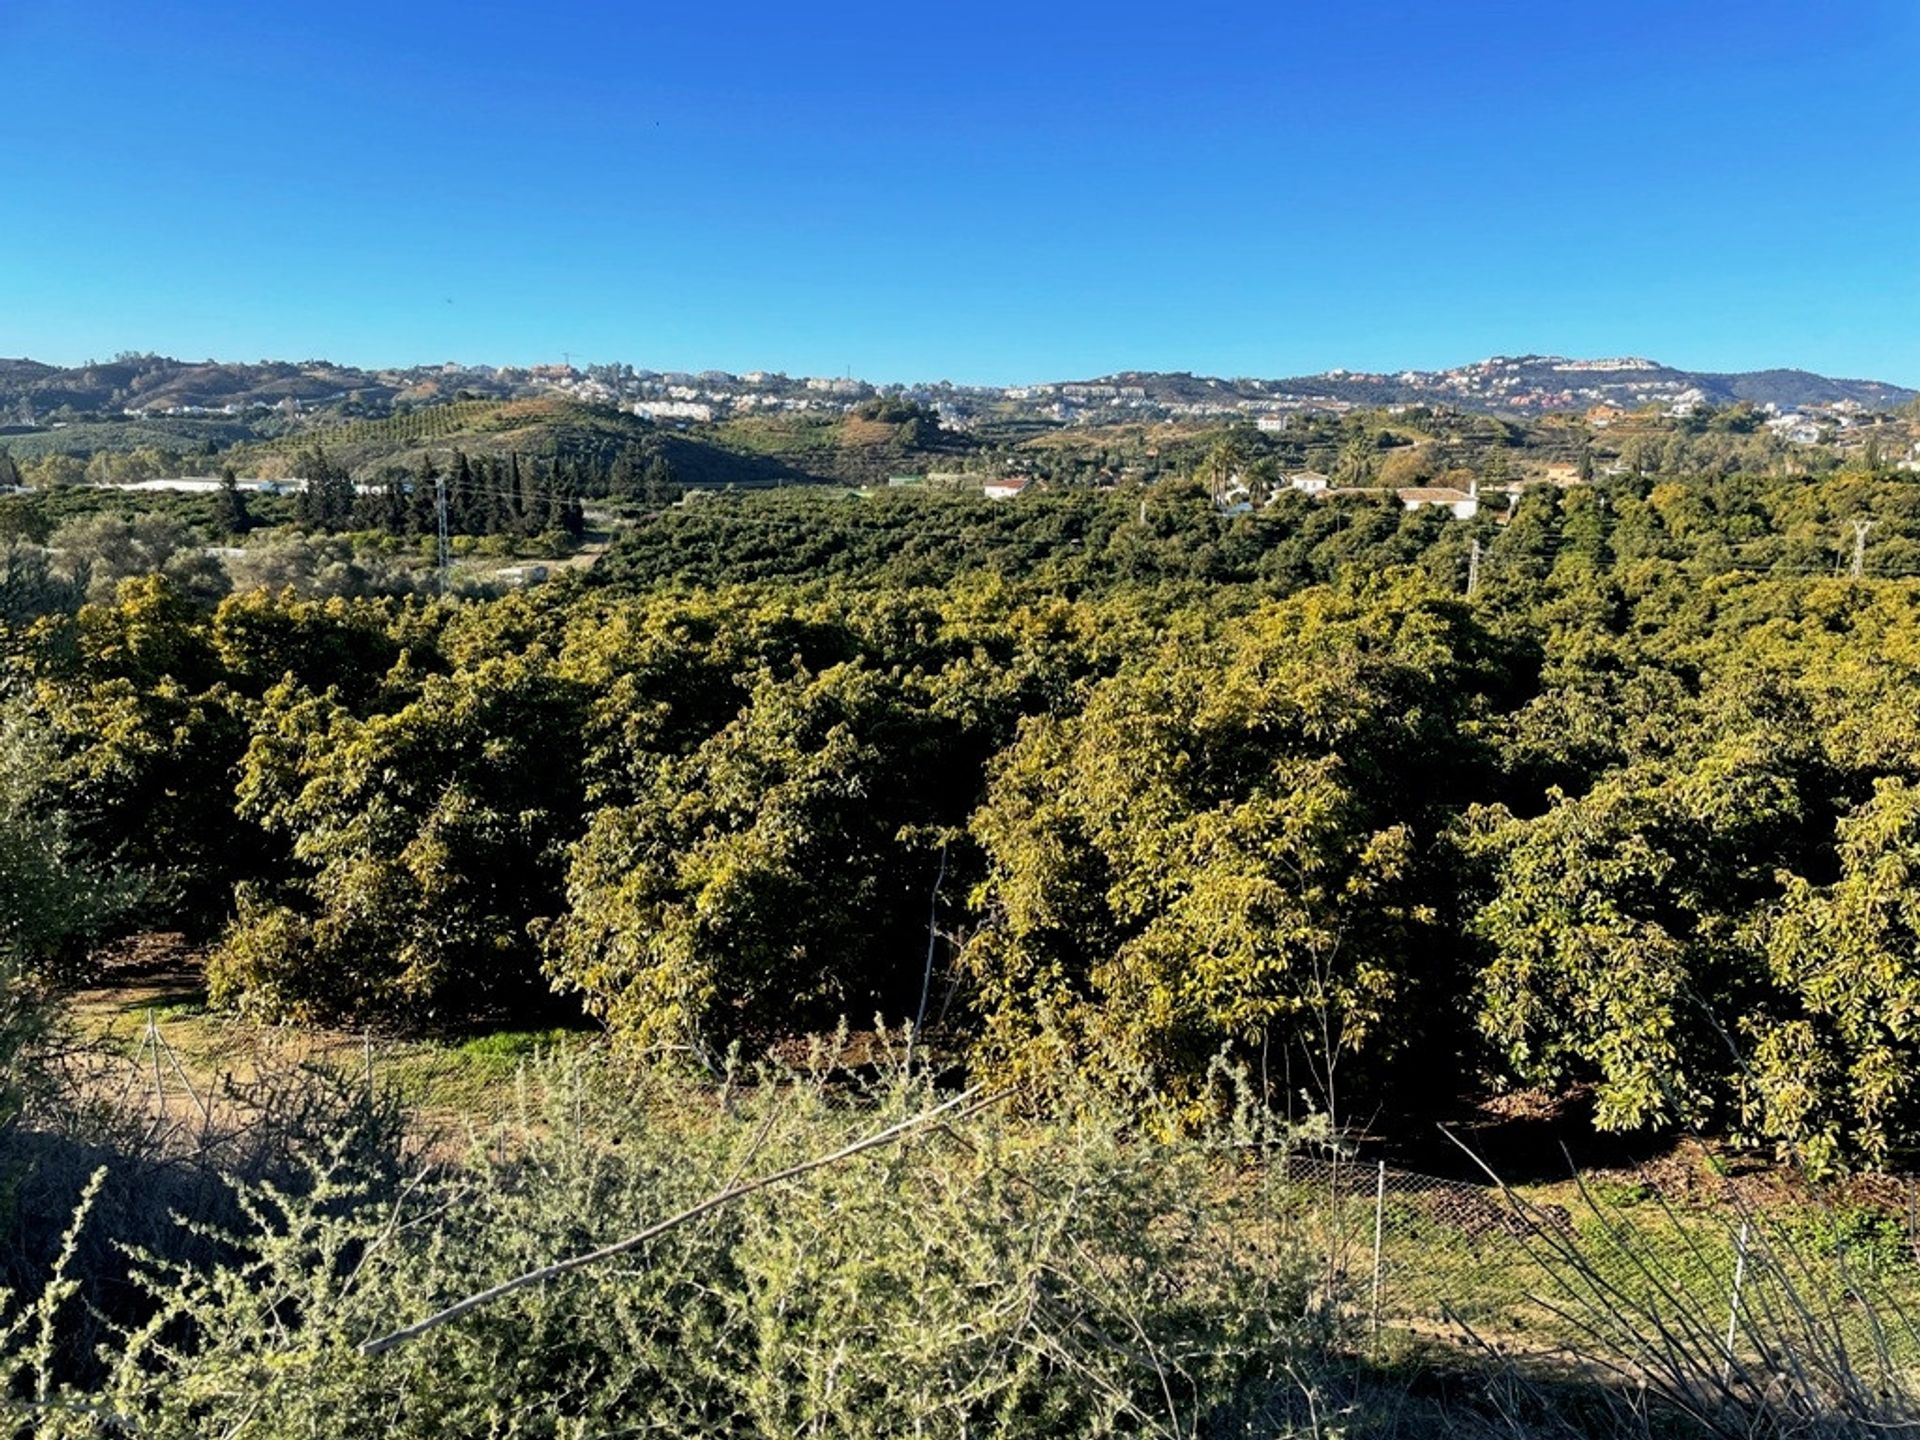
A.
x: 461, y: 495
x: 230, y: 511
x: 422, y: 517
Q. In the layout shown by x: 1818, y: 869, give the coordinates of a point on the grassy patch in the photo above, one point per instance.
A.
x: 515, y: 1044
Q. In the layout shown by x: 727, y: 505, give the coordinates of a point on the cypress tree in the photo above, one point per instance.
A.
x: 623, y: 480
x: 341, y: 492
x: 421, y: 504
x: 306, y: 510
x: 573, y: 519
x: 522, y: 496
x: 553, y: 505
x: 393, y: 504
x: 328, y: 501
x: 659, y: 484
x: 460, y: 496
x: 498, y: 506
x: 230, y: 511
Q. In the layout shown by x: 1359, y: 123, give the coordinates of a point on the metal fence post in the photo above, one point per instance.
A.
x: 159, y: 1080
x: 1913, y: 1218
x: 1733, y: 1308
x: 1379, y: 1235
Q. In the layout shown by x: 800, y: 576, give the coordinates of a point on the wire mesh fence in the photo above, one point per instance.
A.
x: 1630, y: 1279
x: 194, y: 1076
x: 1621, y: 1275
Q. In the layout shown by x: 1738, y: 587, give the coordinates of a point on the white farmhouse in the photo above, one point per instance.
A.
x: 1463, y: 504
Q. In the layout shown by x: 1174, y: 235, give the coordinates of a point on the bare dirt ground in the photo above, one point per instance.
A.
x: 153, y: 986
x: 147, y: 1036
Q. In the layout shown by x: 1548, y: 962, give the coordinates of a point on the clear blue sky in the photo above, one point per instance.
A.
x: 989, y: 191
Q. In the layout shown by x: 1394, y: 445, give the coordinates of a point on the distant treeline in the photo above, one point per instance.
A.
x: 484, y: 495
x: 487, y: 495
x: 1075, y: 538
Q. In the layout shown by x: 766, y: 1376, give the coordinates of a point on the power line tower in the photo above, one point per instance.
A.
x: 1473, y: 568
x: 440, y: 521
x: 1860, y: 529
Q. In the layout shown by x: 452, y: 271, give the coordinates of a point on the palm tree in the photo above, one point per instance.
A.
x: 1355, y: 466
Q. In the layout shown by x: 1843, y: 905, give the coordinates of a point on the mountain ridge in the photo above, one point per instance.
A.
x: 32, y: 390
x: 1544, y: 383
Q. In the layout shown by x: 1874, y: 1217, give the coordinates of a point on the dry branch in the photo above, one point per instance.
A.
x: 693, y: 1212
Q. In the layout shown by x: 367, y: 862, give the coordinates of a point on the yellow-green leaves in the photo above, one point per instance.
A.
x: 1223, y: 847
x: 1839, y: 1071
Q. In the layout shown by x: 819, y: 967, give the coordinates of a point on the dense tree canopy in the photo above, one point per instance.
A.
x: 1153, y: 782
x: 1234, y: 840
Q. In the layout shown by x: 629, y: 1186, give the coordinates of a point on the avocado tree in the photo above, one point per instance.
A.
x: 1235, y: 845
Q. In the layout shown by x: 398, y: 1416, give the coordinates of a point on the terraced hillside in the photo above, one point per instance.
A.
x: 536, y: 426
x: 848, y: 449
x: 748, y: 453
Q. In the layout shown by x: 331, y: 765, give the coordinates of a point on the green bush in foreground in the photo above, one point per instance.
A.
x: 986, y: 1270
x: 988, y: 1275
x: 54, y: 898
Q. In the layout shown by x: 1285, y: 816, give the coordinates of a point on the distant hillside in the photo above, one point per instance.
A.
x: 846, y: 448
x: 155, y: 383
x: 152, y: 385
x: 1792, y: 388
x: 275, y: 398
x: 1529, y: 384
x: 536, y: 426
x: 782, y: 451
